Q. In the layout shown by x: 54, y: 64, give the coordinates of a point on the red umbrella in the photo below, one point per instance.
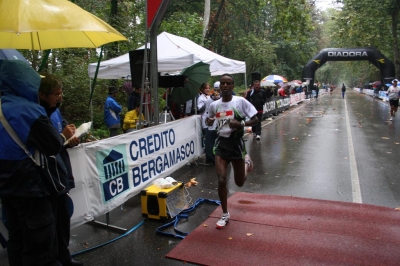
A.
x: 376, y: 83
x: 297, y: 81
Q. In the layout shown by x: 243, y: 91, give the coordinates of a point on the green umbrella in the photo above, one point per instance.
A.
x: 196, y: 74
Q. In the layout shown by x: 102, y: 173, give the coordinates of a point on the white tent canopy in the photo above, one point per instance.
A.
x: 174, y: 54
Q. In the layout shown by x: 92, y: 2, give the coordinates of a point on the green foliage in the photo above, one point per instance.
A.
x: 185, y: 25
x: 240, y: 90
x: 363, y: 24
x: 100, y: 133
x: 189, y: 6
x: 292, y: 20
x: 370, y: 23
x: 260, y: 56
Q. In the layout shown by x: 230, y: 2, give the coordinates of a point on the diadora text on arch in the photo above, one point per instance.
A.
x: 348, y: 54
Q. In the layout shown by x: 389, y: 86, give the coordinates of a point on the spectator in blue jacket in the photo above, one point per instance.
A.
x: 111, y: 112
x: 51, y: 96
x: 24, y: 194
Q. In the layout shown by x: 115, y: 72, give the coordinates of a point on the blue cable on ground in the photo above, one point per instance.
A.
x: 182, y: 214
x: 109, y: 242
x: 174, y: 222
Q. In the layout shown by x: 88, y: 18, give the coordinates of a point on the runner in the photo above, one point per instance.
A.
x: 230, y: 112
x: 393, y: 93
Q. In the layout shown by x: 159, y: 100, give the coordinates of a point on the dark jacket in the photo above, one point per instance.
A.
x: 269, y: 93
x: 133, y: 100
x: 19, y: 176
x: 257, y: 98
x: 59, y: 123
x: 174, y: 107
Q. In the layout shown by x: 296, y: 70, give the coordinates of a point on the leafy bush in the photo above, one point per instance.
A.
x: 100, y: 133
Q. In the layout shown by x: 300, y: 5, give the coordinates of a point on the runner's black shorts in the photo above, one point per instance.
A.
x: 394, y: 103
x: 229, y: 148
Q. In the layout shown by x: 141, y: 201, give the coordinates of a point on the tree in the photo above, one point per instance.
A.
x: 269, y: 35
x: 370, y: 23
x: 185, y: 25
x: 206, y: 19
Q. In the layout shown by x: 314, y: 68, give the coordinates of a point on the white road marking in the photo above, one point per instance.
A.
x: 355, y: 181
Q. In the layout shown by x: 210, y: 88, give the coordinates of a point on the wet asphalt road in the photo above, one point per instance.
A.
x: 327, y: 148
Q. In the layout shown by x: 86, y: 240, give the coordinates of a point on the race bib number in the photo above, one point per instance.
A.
x: 223, y: 119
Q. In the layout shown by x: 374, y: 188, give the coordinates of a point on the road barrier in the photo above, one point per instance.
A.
x: 381, y: 94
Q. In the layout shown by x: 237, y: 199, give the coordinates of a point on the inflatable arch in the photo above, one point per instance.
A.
x: 350, y: 54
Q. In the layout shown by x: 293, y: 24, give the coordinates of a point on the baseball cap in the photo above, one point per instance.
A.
x: 395, y: 80
x: 216, y: 85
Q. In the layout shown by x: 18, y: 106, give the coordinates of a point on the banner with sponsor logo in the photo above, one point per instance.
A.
x: 276, y: 104
x: 109, y: 172
x: 297, y: 97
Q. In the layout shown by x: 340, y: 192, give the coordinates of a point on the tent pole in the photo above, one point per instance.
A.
x: 91, y: 106
x: 154, y: 74
x: 245, y: 80
x: 145, y: 80
x: 95, y: 74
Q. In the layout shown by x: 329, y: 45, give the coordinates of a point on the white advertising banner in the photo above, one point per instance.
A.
x: 111, y: 171
x: 297, y: 97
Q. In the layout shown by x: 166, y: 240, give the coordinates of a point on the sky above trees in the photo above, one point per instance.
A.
x: 324, y: 4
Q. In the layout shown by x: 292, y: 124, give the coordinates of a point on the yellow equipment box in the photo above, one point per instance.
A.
x: 162, y: 203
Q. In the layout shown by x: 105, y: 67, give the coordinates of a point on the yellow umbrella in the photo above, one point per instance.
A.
x: 49, y: 24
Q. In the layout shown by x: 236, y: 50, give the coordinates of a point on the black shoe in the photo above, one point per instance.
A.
x: 73, y: 262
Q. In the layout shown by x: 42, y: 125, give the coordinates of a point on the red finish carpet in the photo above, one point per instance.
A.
x: 281, y: 230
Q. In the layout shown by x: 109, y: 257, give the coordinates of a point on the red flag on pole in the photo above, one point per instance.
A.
x: 152, y: 9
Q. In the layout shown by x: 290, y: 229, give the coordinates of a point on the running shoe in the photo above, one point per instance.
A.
x: 391, y: 118
x: 258, y: 137
x: 223, y: 221
x: 248, y: 160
